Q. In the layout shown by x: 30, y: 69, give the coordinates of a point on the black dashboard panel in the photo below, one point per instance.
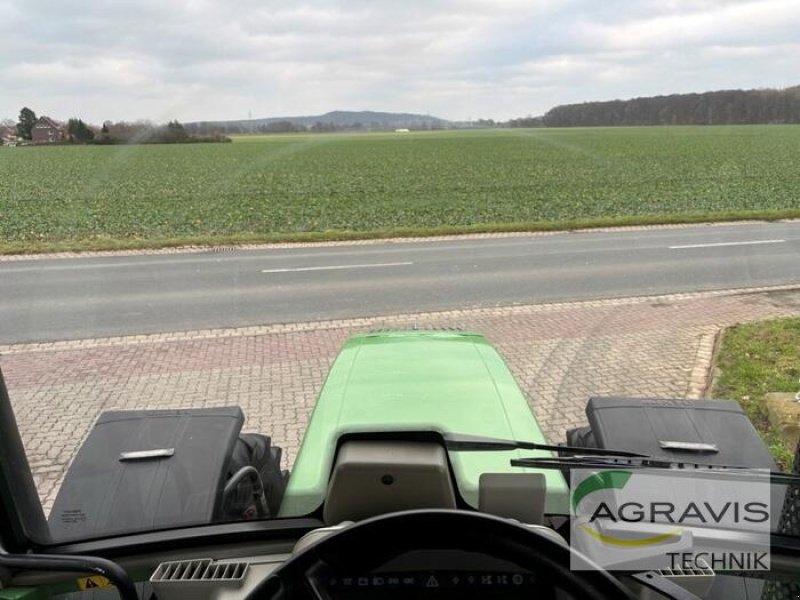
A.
x: 434, y: 574
x: 432, y: 584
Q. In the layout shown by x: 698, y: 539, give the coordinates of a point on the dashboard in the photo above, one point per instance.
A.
x: 429, y: 584
x: 431, y: 574
x: 428, y: 553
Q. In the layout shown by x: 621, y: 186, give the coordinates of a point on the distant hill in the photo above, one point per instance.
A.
x: 335, y: 120
x: 710, y: 108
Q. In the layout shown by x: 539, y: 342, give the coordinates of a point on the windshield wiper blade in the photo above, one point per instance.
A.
x: 476, y: 443
x: 597, y: 461
x: 604, y: 460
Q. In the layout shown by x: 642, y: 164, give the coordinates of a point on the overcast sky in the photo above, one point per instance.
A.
x: 222, y: 59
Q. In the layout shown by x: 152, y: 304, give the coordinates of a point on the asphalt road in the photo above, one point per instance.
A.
x: 46, y: 300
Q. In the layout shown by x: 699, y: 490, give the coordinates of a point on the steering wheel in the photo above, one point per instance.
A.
x: 370, y: 543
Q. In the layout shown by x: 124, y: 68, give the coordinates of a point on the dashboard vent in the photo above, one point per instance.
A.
x: 700, y: 569
x: 201, y: 570
x: 697, y: 580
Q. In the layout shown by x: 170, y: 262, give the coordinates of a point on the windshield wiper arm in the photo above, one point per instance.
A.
x: 598, y: 461
x: 476, y: 443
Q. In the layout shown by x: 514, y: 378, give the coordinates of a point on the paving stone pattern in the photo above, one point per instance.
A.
x: 561, y: 354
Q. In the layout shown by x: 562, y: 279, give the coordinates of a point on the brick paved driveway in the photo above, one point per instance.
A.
x: 560, y: 354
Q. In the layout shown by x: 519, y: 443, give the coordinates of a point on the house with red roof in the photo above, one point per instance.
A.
x: 47, y: 131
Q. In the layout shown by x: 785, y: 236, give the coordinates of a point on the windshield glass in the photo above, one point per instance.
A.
x: 229, y: 237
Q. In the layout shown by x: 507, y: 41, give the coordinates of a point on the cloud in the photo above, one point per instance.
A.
x: 210, y: 59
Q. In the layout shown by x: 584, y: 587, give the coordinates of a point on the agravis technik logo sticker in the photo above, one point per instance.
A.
x: 671, y: 518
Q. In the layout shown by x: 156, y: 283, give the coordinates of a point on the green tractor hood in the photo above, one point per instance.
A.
x: 419, y: 381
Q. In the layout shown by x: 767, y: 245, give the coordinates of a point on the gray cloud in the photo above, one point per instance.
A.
x: 209, y: 59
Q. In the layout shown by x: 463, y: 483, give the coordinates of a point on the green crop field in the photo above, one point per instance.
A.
x: 293, y: 186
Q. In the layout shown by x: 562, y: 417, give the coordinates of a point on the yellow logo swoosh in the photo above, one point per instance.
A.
x: 627, y: 543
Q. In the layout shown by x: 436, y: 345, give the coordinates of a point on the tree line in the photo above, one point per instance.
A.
x: 287, y: 126
x: 76, y: 131
x: 145, y: 132
x: 728, y: 107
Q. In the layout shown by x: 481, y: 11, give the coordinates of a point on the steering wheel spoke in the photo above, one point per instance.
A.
x: 316, y: 578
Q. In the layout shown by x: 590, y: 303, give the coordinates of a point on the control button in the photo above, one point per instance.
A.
x: 517, y: 579
x: 432, y: 582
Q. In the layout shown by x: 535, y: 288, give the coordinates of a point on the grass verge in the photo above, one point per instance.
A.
x: 755, y: 359
x: 102, y: 243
